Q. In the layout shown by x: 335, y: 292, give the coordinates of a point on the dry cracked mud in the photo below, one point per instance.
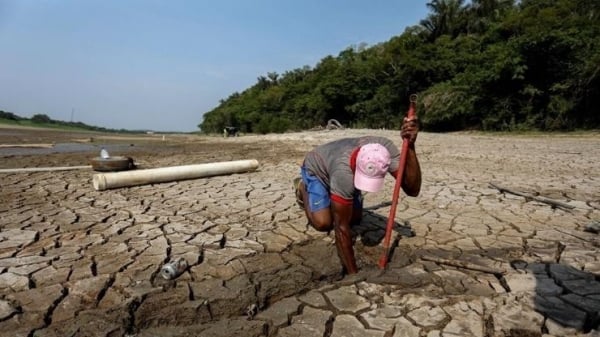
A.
x: 468, y: 259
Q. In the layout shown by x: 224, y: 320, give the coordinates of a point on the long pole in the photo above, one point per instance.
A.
x: 396, y: 196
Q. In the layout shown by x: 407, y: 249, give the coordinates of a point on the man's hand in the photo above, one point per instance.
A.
x: 411, y: 183
x: 410, y: 129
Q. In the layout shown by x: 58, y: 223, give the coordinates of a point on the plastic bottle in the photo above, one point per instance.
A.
x: 104, y: 154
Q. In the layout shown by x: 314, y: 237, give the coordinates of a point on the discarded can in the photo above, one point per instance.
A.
x: 251, y: 311
x: 174, y: 268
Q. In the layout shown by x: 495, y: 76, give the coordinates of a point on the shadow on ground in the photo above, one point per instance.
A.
x: 563, y: 294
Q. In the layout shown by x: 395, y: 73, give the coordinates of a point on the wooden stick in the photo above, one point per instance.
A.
x: 385, y: 256
x: 463, y: 264
x: 528, y: 197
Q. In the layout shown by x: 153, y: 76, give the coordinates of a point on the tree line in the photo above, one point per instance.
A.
x: 499, y: 65
x: 43, y: 120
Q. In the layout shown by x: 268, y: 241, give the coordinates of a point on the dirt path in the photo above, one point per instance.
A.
x: 78, y: 262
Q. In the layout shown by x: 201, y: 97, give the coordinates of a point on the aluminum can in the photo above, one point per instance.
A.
x: 174, y: 268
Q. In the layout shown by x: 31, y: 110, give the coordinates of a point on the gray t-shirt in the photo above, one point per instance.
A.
x: 330, y: 163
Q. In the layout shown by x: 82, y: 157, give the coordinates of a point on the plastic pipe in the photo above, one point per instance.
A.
x: 44, y: 169
x: 104, y: 181
x: 44, y: 146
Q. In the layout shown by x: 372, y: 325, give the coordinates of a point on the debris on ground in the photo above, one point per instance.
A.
x: 251, y: 311
x: 593, y: 227
x: 332, y: 124
x: 174, y: 268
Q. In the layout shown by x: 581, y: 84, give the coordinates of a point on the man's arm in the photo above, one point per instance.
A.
x: 411, y: 182
x: 342, y: 214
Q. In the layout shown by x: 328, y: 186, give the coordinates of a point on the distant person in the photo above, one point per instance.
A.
x: 334, y: 175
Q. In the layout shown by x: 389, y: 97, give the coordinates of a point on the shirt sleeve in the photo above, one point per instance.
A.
x: 394, y: 155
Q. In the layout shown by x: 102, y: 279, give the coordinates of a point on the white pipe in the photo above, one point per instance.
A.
x: 103, y: 181
x: 44, y: 169
x: 44, y: 146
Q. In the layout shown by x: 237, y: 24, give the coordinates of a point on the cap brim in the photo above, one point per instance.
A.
x: 367, y: 184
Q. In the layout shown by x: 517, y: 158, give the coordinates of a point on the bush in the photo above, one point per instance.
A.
x: 9, y: 115
x: 41, y: 118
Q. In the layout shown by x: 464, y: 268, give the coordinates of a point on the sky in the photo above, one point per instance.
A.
x: 159, y: 65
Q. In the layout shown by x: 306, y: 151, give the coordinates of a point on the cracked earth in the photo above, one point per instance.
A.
x: 468, y: 259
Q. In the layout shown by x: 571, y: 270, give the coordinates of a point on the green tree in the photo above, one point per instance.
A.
x: 9, y: 115
x: 446, y: 18
x: 41, y: 118
x: 486, y: 64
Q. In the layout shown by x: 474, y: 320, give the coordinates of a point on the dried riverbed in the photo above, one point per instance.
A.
x: 79, y: 262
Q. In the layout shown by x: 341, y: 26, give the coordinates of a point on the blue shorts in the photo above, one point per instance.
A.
x: 318, y: 194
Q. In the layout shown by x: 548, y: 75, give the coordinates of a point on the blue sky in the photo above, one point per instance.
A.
x: 159, y: 65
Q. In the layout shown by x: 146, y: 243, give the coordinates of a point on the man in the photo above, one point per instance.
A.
x: 335, y: 174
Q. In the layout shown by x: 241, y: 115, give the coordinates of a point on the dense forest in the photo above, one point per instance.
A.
x: 483, y: 65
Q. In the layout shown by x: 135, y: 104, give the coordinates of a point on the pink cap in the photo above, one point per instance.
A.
x: 372, y: 163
